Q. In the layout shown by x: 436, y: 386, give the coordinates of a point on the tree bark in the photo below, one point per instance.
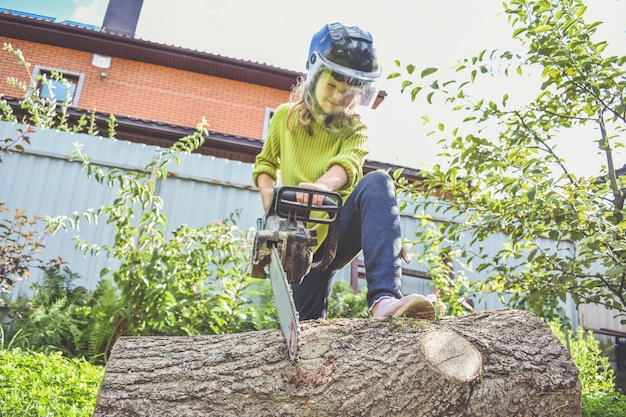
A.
x: 497, y: 363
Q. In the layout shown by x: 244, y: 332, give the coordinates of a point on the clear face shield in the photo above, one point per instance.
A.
x: 361, y: 85
x: 360, y: 92
x: 331, y: 89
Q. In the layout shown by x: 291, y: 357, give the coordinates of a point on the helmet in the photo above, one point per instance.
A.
x: 346, y: 53
x: 346, y: 49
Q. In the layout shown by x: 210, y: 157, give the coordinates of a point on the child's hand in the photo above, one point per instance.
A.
x: 318, y: 199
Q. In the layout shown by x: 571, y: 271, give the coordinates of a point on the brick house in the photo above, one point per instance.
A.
x: 158, y: 93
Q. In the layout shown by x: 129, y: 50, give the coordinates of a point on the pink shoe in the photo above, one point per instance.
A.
x: 412, y: 305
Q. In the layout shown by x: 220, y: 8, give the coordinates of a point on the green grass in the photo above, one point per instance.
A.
x: 46, y: 385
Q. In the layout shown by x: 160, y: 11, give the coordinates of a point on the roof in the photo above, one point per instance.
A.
x: 43, y: 30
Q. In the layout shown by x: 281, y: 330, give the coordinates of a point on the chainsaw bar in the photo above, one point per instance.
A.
x: 287, y: 313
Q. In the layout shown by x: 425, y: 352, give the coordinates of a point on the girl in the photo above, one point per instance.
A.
x: 317, y: 141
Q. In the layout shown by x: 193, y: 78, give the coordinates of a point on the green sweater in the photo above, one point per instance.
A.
x: 300, y: 157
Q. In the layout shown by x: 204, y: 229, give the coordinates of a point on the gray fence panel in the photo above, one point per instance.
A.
x: 205, y: 189
x: 44, y: 181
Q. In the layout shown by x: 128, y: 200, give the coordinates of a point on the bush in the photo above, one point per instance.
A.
x: 604, y: 405
x: 343, y: 303
x: 599, y: 396
x: 66, y: 318
x: 36, y: 384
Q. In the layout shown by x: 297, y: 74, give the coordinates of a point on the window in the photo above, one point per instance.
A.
x: 56, y: 88
x: 266, y: 122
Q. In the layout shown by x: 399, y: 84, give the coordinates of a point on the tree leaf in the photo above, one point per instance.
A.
x: 542, y: 28
x: 428, y: 71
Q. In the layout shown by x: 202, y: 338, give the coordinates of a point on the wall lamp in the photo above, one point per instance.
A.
x: 102, y: 62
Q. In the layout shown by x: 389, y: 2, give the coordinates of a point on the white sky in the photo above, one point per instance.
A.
x: 432, y: 33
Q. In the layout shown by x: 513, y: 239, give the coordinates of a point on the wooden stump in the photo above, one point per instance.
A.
x: 498, y: 363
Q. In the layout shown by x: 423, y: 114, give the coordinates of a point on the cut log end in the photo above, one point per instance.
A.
x: 452, y: 355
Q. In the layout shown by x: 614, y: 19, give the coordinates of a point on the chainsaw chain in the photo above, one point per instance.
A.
x: 292, y: 327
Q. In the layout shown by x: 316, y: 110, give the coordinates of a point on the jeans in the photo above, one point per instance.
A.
x: 370, y: 221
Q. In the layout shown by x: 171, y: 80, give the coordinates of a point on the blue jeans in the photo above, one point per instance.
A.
x: 370, y: 221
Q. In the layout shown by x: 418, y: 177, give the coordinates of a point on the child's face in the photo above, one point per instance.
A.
x: 334, y: 96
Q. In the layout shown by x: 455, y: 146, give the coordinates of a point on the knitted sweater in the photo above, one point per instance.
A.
x: 300, y: 157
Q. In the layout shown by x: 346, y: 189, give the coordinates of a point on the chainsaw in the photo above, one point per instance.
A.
x: 283, y: 249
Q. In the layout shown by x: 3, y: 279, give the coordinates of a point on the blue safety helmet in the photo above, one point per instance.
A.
x: 348, y: 54
x: 347, y: 50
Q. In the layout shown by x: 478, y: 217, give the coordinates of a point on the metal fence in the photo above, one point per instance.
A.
x: 45, y: 182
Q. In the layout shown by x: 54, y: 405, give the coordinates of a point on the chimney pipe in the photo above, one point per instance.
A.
x: 121, y: 17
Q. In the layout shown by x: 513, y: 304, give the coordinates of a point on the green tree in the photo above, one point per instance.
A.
x: 500, y: 172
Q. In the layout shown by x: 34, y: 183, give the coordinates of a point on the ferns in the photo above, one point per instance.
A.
x: 66, y: 319
x: 49, y: 327
x: 102, y: 310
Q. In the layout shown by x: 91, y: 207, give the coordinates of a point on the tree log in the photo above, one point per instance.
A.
x: 497, y: 363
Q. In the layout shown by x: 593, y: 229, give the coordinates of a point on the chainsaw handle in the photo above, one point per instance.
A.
x: 286, y: 206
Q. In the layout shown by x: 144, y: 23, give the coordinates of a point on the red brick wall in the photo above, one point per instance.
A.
x: 151, y: 92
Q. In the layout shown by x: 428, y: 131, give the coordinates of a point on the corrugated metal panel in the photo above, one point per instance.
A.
x: 43, y: 181
x: 204, y: 189
x: 594, y: 317
x: 599, y: 319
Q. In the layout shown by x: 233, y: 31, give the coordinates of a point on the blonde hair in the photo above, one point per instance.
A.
x: 302, y: 110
